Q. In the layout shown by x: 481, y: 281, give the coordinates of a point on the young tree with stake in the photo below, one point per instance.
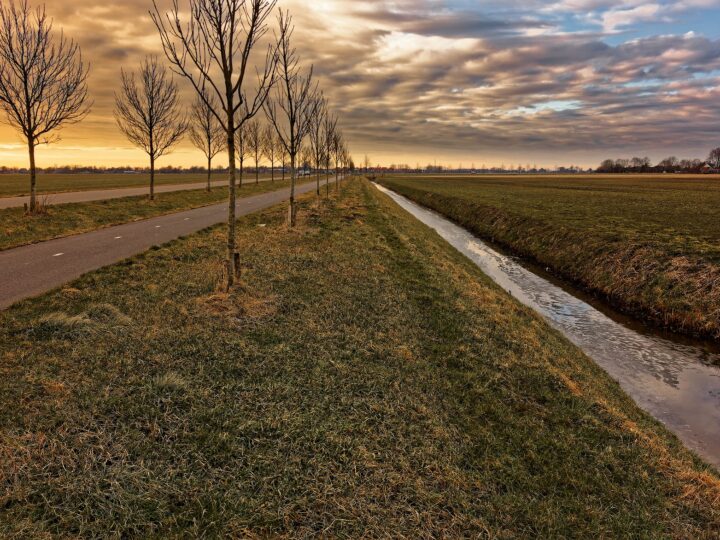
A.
x: 317, y: 139
x: 292, y: 106
x: 254, y: 143
x: 206, y: 133
x: 283, y: 156
x: 150, y: 115
x: 210, y: 43
x: 242, y: 147
x: 43, y: 80
x: 269, y: 148
x: 337, y: 149
x: 329, y: 128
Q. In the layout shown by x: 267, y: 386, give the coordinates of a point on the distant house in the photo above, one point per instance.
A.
x: 709, y: 169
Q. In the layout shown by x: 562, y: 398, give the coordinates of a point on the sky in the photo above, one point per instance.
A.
x: 457, y: 82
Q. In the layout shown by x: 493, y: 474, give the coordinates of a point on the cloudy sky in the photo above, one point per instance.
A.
x: 457, y: 81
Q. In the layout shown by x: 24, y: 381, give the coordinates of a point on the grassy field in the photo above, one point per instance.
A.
x: 19, y: 184
x: 17, y: 229
x: 648, y: 244
x: 363, y: 380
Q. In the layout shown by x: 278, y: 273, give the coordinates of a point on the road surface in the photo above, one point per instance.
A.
x: 32, y: 270
x: 117, y: 193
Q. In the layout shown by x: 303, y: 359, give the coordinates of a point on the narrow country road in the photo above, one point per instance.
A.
x: 32, y: 270
x: 116, y: 193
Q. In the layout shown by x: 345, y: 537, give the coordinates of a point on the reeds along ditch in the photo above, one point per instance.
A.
x: 645, y: 279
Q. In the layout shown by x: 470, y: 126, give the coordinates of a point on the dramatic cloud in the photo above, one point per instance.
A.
x: 415, y: 80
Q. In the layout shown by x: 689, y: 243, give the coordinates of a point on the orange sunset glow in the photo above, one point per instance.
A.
x: 453, y: 82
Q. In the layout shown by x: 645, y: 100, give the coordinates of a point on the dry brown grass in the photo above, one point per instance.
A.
x: 364, y: 381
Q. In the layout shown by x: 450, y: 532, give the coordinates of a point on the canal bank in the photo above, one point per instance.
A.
x: 677, y: 383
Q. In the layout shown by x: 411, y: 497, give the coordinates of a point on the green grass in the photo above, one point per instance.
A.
x: 648, y: 244
x: 19, y: 184
x: 364, y: 380
x: 17, y: 229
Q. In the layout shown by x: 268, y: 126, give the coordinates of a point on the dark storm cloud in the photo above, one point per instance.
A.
x: 416, y: 74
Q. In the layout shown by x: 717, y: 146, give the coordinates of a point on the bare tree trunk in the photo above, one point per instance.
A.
x: 337, y: 178
x: 327, y: 180
x: 272, y: 167
x: 33, y: 176
x: 293, y: 209
x: 209, y: 174
x: 257, y: 169
x: 231, y: 261
x: 317, y: 179
x: 283, y: 169
x: 241, y: 172
x: 152, y: 178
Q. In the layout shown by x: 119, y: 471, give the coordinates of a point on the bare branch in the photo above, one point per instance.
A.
x: 211, y: 46
x: 206, y: 133
x: 149, y: 115
x: 293, y: 104
x: 43, y: 79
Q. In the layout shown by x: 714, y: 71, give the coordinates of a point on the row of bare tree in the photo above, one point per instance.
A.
x: 667, y: 165
x: 149, y: 114
x: 212, y: 44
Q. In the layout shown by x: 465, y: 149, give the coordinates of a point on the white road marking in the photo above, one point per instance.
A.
x: 58, y: 255
x: 187, y: 219
x: 158, y: 226
x: 118, y: 237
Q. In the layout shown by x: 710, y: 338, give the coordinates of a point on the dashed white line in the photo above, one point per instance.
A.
x: 158, y: 226
x: 118, y: 237
x: 58, y: 255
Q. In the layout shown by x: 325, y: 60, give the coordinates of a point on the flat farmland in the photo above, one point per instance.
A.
x: 19, y: 184
x: 649, y: 244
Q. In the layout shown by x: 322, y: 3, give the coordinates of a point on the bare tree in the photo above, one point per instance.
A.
x: 150, y: 116
x: 714, y: 158
x: 316, y: 137
x: 329, y: 128
x: 337, y: 145
x: 270, y: 148
x: 283, y: 156
x: 291, y: 108
x: 254, y: 143
x: 213, y: 49
x: 206, y: 133
x: 345, y: 159
x: 243, y: 150
x: 306, y: 158
x: 43, y: 80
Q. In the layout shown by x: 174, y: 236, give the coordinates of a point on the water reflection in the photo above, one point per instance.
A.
x: 675, y: 382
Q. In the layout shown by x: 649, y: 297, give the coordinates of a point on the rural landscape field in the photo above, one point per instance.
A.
x: 230, y: 308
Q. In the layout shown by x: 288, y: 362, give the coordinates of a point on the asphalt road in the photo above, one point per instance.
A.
x: 32, y: 270
x: 118, y: 193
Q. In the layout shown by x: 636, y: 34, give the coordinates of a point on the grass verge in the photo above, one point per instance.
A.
x: 14, y: 185
x: 647, y: 245
x: 17, y: 228
x: 364, y: 380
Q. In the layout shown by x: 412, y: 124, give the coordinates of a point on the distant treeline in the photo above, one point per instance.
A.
x: 668, y: 165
